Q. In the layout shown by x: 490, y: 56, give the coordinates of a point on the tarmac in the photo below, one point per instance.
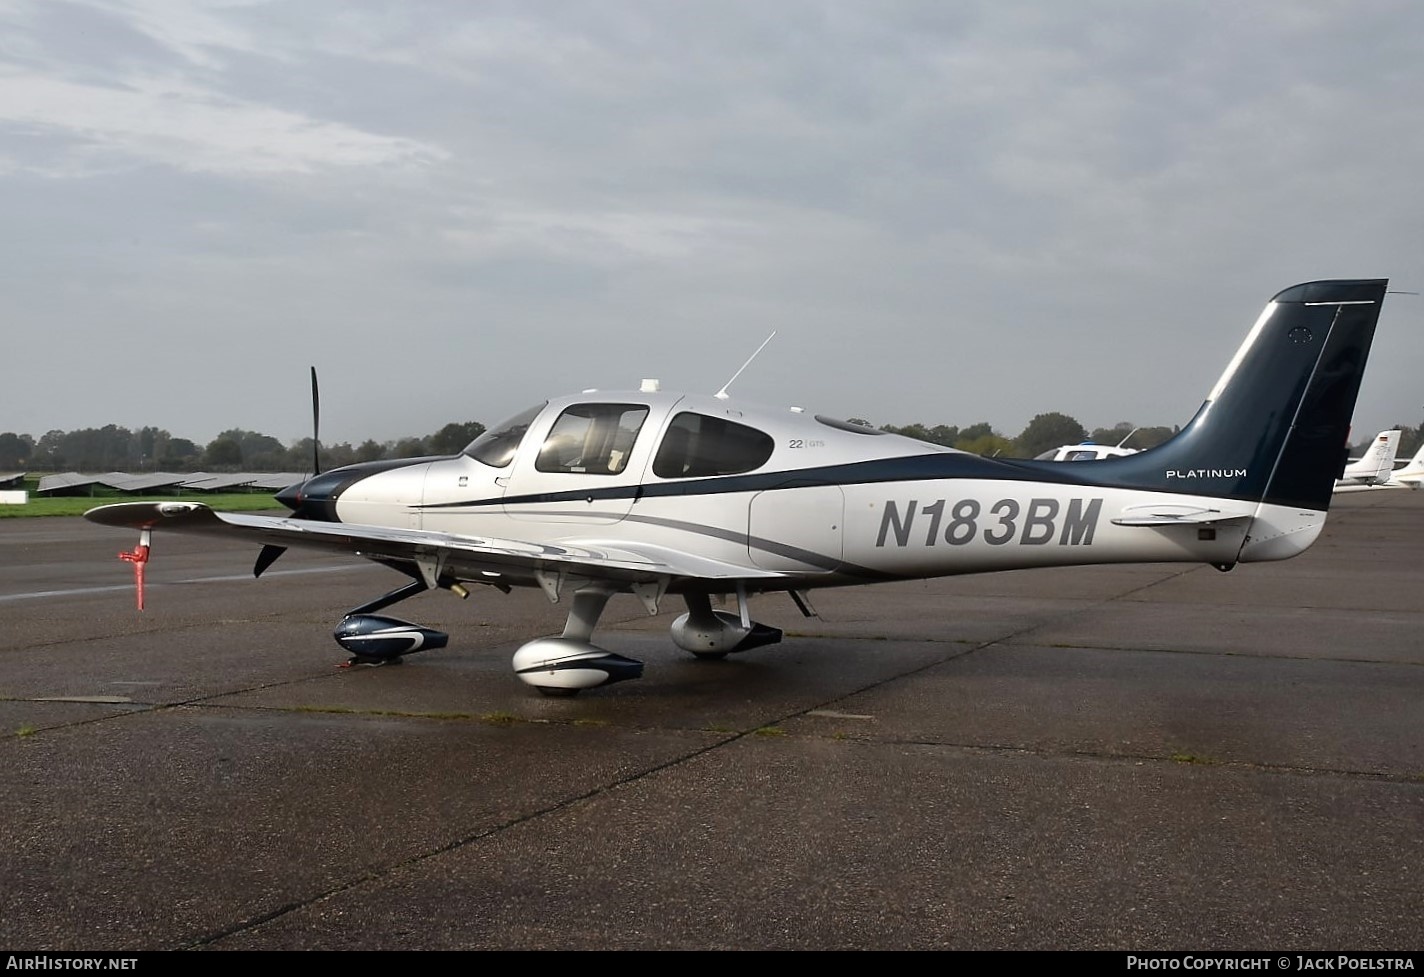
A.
x: 1134, y: 758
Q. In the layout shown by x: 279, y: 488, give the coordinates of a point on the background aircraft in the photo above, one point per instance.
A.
x: 1085, y: 451
x: 1409, y: 476
x: 653, y: 494
x: 1375, y: 465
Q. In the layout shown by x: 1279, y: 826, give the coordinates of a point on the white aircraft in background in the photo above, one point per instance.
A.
x: 1085, y: 451
x: 1410, y: 476
x: 1373, y: 467
x: 657, y: 494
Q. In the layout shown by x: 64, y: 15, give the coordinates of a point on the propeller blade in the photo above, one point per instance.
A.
x: 316, y: 426
x: 266, y: 558
x: 291, y: 495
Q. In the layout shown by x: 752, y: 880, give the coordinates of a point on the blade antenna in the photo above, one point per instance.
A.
x: 316, y: 426
x: 722, y: 394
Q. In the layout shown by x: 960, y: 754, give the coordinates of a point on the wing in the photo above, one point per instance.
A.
x: 480, y: 558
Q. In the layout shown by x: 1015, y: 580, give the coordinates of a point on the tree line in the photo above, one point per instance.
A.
x: 1051, y: 430
x: 114, y: 448
x: 1044, y: 433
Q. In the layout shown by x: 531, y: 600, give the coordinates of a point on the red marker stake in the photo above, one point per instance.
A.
x: 138, y: 557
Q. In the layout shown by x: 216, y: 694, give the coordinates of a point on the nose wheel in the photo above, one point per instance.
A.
x: 374, y: 639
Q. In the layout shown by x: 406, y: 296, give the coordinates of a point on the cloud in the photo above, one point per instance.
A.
x: 168, y: 121
x: 951, y: 212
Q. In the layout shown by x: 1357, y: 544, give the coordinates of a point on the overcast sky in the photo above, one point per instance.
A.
x: 950, y: 212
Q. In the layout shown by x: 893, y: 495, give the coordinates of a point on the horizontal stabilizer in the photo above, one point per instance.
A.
x: 1180, y: 514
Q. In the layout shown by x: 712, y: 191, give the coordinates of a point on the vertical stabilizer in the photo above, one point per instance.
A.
x: 1275, y: 427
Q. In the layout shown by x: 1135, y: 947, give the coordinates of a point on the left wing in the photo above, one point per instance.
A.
x: 480, y: 558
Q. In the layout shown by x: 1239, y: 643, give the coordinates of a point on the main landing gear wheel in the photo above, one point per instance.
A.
x: 565, y: 665
x: 709, y: 635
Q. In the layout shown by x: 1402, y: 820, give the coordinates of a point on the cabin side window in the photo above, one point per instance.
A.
x: 592, y: 439
x: 496, y: 446
x: 697, y: 445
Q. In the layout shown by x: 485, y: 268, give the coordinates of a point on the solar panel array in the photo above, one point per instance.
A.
x: 64, y: 480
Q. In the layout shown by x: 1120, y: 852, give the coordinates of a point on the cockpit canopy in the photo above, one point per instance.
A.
x: 598, y: 439
x: 496, y: 446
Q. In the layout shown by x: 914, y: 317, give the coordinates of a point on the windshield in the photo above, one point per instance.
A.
x: 496, y: 446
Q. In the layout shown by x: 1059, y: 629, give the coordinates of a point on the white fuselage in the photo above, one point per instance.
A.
x: 821, y: 530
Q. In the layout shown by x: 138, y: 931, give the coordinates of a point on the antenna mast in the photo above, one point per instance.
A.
x: 722, y: 394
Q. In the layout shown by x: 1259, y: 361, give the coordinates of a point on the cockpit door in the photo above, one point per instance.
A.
x: 582, y: 464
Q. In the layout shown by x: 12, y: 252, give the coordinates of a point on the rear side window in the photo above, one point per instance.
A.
x: 697, y: 445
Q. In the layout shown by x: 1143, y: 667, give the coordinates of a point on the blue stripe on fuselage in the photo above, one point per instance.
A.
x: 908, y: 469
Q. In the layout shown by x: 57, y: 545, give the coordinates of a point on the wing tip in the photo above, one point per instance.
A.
x: 140, y: 513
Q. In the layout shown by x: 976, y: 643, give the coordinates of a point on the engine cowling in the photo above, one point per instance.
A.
x: 720, y: 634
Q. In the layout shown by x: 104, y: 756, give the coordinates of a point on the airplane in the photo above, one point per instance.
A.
x: 1085, y: 451
x: 659, y: 494
x: 1374, y: 466
x: 1409, y: 476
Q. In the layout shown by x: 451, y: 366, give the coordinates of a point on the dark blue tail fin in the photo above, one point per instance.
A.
x: 1275, y: 427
